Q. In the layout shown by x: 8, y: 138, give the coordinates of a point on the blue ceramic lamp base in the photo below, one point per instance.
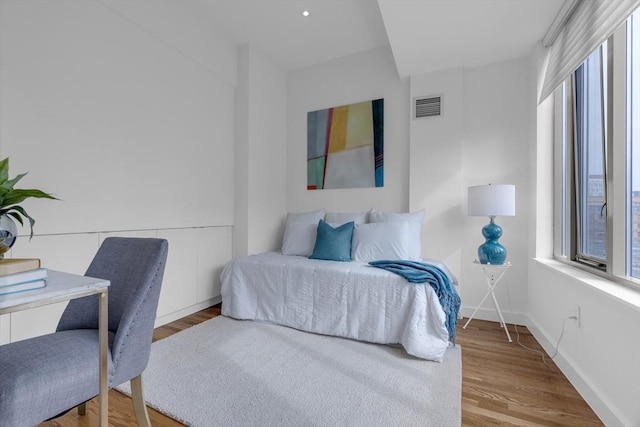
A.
x: 491, y: 251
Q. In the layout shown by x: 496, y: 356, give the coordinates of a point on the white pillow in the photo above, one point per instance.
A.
x: 344, y: 217
x: 299, y: 236
x: 308, y: 217
x: 415, y: 220
x: 299, y: 239
x: 380, y: 241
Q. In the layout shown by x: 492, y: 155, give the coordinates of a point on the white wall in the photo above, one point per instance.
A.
x: 361, y: 77
x: 481, y: 138
x: 496, y: 151
x: 124, y: 110
x: 138, y: 132
x: 260, y: 162
x: 436, y: 173
x: 601, y: 356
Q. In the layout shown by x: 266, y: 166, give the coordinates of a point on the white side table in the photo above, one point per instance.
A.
x: 493, y: 274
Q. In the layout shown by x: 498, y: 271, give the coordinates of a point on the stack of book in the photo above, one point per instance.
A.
x: 21, y: 274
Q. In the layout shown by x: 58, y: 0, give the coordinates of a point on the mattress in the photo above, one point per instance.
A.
x: 345, y: 299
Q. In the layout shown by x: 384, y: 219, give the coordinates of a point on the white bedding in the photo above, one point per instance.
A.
x: 346, y: 299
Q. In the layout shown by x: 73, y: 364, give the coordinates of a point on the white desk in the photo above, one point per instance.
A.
x: 64, y: 287
x: 493, y: 273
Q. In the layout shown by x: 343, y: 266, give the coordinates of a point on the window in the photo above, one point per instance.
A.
x: 589, y: 151
x: 633, y: 136
x: 597, y: 176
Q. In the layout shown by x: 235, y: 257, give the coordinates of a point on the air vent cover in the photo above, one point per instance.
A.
x: 427, y: 106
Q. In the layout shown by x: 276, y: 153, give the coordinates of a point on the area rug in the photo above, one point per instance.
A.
x: 227, y: 372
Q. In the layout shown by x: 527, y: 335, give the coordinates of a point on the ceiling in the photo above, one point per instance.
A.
x: 424, y: 35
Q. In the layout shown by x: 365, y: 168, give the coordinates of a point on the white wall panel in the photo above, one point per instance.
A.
x: 179, y: 286
x: 5, y: 328
x: 191, y: 281
x: 71, y: 253
x: 214, y: 251
x: 145, y: 234
x: 36, y: 321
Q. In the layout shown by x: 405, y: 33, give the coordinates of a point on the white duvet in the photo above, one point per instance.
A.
x: 346, y: 299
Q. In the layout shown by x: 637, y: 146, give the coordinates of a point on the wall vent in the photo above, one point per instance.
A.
x: 427, y: 106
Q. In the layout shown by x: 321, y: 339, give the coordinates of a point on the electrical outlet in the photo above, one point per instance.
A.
x: 577, y: 313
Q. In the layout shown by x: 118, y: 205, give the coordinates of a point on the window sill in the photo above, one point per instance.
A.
x: 615, y: 290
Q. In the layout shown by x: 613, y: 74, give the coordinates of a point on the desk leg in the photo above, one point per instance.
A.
x: 103, y: 326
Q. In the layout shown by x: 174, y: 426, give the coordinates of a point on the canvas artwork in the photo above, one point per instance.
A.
x: 345, y: 146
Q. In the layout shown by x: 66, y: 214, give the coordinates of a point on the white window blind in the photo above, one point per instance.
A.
x: 591, y: 23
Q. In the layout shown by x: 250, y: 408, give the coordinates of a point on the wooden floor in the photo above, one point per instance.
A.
x: 502, y: 383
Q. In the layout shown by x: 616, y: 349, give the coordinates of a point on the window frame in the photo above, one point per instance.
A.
x: 583, y: 153
x: 617, y: 156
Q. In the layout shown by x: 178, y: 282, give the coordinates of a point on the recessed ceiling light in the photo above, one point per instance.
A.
x: 305, y: 13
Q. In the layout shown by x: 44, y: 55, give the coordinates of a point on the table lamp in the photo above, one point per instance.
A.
x: 492, y: 201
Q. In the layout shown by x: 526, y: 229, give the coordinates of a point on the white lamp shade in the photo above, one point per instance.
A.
x: 492, y: 200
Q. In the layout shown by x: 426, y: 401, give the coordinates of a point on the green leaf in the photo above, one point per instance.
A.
x: 26, y: 215
x: 14, y: 215
x: 18, y: 195
x: 4, y: 170
x: 10, y: 183
x: 3, y: 193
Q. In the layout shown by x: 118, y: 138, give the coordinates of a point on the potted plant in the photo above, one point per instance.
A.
x: 10, y: 209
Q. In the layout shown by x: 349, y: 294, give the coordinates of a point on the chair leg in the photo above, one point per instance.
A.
x: 82, y: 409
x: 138, y: 402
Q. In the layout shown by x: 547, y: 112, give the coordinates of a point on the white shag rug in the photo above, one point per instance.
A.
x: 227, y: 372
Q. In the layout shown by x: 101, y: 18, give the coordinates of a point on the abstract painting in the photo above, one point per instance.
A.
x: 345, y: 146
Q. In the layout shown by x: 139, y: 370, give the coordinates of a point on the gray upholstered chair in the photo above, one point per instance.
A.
x: 43, y: 377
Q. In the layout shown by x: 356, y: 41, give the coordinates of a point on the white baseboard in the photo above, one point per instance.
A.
x: 578, y: 379
x: 168, y: 318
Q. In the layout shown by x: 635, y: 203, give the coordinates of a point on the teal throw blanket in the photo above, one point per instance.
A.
x: 420, y: 272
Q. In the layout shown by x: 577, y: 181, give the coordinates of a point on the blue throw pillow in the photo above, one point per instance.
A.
x: 333, y: 244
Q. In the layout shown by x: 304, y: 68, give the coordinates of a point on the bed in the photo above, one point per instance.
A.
x: 346, y: 299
